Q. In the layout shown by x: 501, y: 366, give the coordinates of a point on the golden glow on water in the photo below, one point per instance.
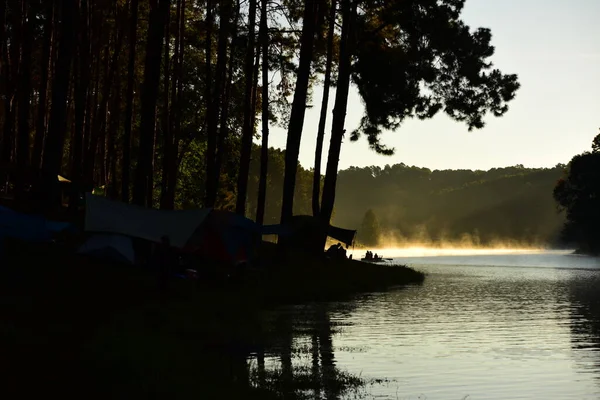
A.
x: 490, y: 324
x: 424, y: 251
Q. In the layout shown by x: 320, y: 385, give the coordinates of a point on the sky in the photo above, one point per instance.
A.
x: 554, y: 48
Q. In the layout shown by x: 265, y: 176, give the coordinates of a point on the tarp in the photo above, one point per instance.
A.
x: 104, y: 215
x: 109, y: 247
x: 32, y: 228
x: 217, y: 235
x: 307, y: 225
x: 345, y: 236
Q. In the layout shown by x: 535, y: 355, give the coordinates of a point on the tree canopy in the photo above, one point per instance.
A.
x: 578, y: 195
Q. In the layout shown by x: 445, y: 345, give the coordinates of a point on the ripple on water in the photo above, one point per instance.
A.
x: 499, y: 326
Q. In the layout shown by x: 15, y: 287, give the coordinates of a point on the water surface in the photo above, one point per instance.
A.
x: 484, y: 325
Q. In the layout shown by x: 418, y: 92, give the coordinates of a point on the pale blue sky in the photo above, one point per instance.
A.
x: 554, y: 47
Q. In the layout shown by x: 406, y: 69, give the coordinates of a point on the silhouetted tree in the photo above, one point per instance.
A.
x: 156, y: 29
x: 416, y: 61
x: 296, y: 122
x: 248, y: 128
x: 264, y: 154
x: 316, y: 194
x: 578, y: 195
x: 53, y: 146
x: 126, y: 173
x: 369, y: 231
x: 596, y: 144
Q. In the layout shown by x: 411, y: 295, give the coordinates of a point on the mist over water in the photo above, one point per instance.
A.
x: 423, y: 251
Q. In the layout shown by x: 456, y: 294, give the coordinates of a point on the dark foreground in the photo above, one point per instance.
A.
x: 76, y: 328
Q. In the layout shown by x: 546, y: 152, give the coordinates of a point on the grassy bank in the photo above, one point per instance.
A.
x: 85, y: 329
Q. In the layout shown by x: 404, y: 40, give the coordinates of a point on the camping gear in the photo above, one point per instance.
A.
x: 305, y: 231
x: 108, y: 216
x: 227, y: 237
x: 30, y: 228
x: 109, y: 247
x: 212, y: 234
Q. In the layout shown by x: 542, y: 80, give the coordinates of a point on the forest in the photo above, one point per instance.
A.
x: 511, y: 206
x: 168, y: 103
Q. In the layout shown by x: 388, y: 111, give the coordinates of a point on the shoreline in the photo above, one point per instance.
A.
x: 75, y: 325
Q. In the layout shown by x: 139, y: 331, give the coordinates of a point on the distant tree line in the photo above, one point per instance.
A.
x: 511, y: 205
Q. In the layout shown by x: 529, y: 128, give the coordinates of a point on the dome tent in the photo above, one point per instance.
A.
x: 109, y: 247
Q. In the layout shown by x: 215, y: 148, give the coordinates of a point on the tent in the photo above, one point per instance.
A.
x: 213, y: 234
x: 226, y: 237
x: 32, y: 228
x: 110, y: 247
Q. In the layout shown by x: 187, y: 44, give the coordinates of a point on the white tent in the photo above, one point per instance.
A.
x: 109, y: 247
x: 104, y: 215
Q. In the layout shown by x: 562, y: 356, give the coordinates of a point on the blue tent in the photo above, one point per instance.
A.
x: 31, y: 228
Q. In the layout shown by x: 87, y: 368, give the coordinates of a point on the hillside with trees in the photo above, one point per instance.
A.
x: 511, y: 205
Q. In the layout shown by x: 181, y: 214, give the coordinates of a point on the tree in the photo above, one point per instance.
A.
x: 156, y: 28
x: 53, y: 148
x: 125, y: 173
x: 596, y: 144
x: 248, y: 128
x: 415, y: 61
x: 369, y: 232
x: 578, y: 195
x: 339, y: 110
x: 296, y: 121
x: 323, y: 116
x: 45, y: 72
x: 264, y: 154
x: 24, y: 98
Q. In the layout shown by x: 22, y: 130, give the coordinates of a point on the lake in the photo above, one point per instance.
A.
x: 485, y: 324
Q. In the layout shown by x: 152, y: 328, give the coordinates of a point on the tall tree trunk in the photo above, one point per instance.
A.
x: 99, y: 129
x: 264, y: 151
x: 53, y: 148
x: 125, y: 179
x: 150, y: 188
x: 4, y: 70
x: 81, y: 90
x: 156, y: 29
x: 167, y: 134
x: 248, y: 129
x: 12, y: 62
x: 316, y: 192
x: 176, y: 98
x: 92, y: 111
x: 45, y: 72
x: 2, y: 34
x: 296, y: 123
x: 115, y: 117
x: 212, y: 175
x: 339, y: 111
x: 24, y: 99
x: 227, y: 87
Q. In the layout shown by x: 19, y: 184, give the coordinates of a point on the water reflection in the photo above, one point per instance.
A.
x: 585, y: 321
x: 488, y: 327
x: 298, y: 359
